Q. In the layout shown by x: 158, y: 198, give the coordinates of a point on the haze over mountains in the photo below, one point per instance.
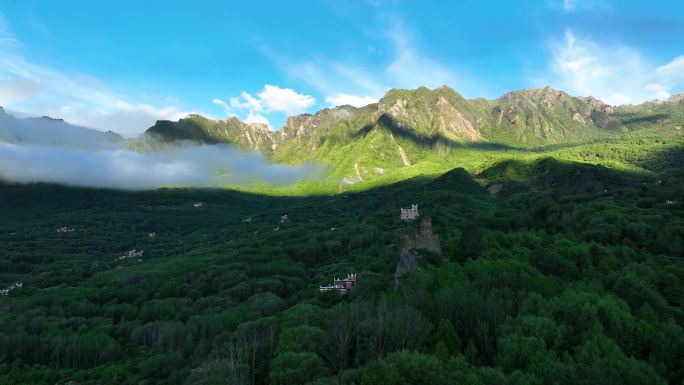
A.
x: 403, y: 128
x: 53, y: 132
x: 51, y: 150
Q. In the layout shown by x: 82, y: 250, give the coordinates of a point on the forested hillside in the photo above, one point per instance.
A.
x: 341, y: 192
x: 560, y: 265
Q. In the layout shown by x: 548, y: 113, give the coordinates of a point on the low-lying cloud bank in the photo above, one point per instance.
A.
x: 53, y: 151
x: 120, y: 168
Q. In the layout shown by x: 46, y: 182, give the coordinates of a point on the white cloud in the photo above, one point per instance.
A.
x: 574, y: 5
x: 226, y: 106
x: 360, y: 82
x: 255, y: 117
x: 120, y: 116
x: 352, y: 100
x: 249, y: 102
x: 283, y: 100
x: 331, y: 77
x: 673, y: 70
x: 47, y: 150
x: 412, y: 69
x: 214, y: 166
x: 17, y: 89
x: 35, y: 89
x: 660, y: 91
x: 272, y: 99
x: 221, y: 103
x: 615, y: 74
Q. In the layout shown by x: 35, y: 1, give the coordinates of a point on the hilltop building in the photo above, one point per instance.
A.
x: 342, y: 285
x: 409, y: 214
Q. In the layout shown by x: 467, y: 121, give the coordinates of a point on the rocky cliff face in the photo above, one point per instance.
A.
x: 676, y: 99
x: 407, y: 262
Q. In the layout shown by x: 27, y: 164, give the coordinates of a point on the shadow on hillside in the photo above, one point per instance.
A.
x: 563, y: 177
x: 184, y: 129
x: 631, y: 119
x: 662, y: 160
x: 435, y: 139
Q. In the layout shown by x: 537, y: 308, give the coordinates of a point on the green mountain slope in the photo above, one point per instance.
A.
x: 572, y: 272
x: 560, y: 222
x: 410, y: 132
x: 199, y: 129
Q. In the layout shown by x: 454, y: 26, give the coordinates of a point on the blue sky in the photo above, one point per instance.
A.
x: 120, y: 65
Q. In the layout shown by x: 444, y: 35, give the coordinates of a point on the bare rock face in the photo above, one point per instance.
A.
x: 407, y: 262
x: 425, y: 239
x: 578, y: 117
x: 598, y: 105
x: 495, y: 189
x: 451, y: 120
x: 398, y: 109
x: 674, y: 99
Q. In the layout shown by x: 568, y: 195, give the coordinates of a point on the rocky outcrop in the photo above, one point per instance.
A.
x: 425, y: 239
x: 407, y: 262
x: 576, y: 116
x: 451, y: 121
x: 675, y: 99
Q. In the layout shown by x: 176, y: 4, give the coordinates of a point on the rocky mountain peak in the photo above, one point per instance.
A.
x: 546, y: 96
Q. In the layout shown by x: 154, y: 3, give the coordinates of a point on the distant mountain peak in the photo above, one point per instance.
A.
x: 45, y: 130
x: 45, y: 117
x: 407, y: 126
x: 546, y: 94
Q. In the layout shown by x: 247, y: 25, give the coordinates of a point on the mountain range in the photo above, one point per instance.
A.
x: 433, y: 128
x: 554, y: 228
x: 409, y: 126
x: 52, y: 132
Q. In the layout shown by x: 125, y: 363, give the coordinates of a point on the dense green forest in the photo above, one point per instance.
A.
x: 559, y: 266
